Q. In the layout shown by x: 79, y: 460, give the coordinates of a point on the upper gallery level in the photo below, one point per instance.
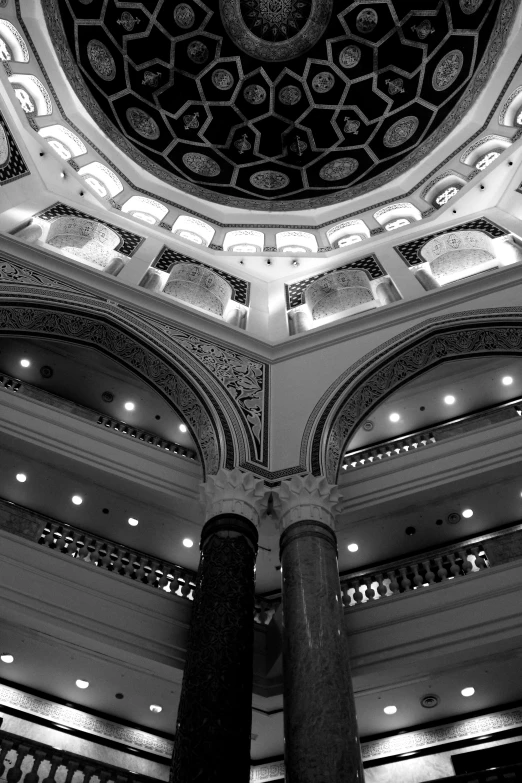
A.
x: 72, y: 190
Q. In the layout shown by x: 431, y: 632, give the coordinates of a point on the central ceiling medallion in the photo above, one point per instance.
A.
x: 275, y: 30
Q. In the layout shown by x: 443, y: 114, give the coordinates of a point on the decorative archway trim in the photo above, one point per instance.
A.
x: 171, y: 360
x: 364, y: 385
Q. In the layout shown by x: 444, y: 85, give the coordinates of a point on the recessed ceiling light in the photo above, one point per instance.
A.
x: 467, y: 513
x: 21, y: 477
x: 391, y: 710
x: 395, y: 417
x: 449, y: 399
x: 77, y: 500
x: 188, y: 542
x: 25, y: 362
x: 133, y: 522
x: 468, y: 691
x: 507, y: 380
x: 353, y: 547
x: 183, y: 428
x: 155, y: 708
x: 129, y: 406
x: 5, y: 658
x: 82, y: 684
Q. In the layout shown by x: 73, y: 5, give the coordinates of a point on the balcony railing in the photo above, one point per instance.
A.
x: 416, y: 441
x: 101, y: 552
x: 10, y: 384
x: 26, y: 761
x: 511, y: 774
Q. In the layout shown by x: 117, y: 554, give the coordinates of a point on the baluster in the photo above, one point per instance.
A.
x: 88, y: 772
x: 92, y: 551
x: 5, y: 747
x: 382, y: 589
x: 466, y: 564
x: 139, y: 568
x: 345, y: 594
x: 370, y: 591
x: 441, y: 571
x: 148, y: 569
x: 47, y: 537
x: 126, y: 568
x: 103, y: 555
x: 71, y: 767
x: 480, y: 563
x: 186, y: 587
x: 394, y: 585
x: 357, y: 595
x: 114, y: 556
x: 429, y: 575
x: 454, y: 566
x: 162, y: 581
x: 78, y: 545
x: 103, y: 775
x: 418, y: 579
x: 405, y: 581
x: 56, y: 761
x: 15, y: 773
x: 67, y: 541
x: 362, y: 593
x: 57, y: 535
x: 32, y: 776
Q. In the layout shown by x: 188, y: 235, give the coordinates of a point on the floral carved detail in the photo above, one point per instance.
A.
x: 235, y: 492
x: 448, y: 70
x: 306, y: 498
x: 400, y: 131
x: 101, y: 60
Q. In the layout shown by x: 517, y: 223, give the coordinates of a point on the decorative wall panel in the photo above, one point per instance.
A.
x: 411, y: 251
x: 294, y: 291
x: 12, y: 164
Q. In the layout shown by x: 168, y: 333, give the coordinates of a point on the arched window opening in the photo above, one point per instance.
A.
x: 511, y: 112
x: 397, y: 215
x: 101, y: 179
x: 483, y: 152
x: 66, y: 143
x: 193, y: 227
x: 399, y: 223
x: 31, y: 94
x: 236, y: 241
x: 347, y: 233
x: 146, y: 209
x: 296, y: 242
x: 13, y: 45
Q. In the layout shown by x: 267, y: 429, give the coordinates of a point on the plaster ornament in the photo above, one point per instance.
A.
x: 235, y: 492
x: 367, y: 20
x: 338, y: 292
x: 395, y: 86
x: 290, y: 95
x: 351, y: 126
x: 151, y: 78
x: 198, y: 52
x: 400, y: 131
x: 222, y: 79
x: 4, y: 147
x: 143, y: 123
x: 423, y: 29
x: 184, y: 16
x: 470, y: 6
x: 269, y: 180
x: 191, y: 121
x: 101, y: 60
x: 323, y: 82
x: 306, y: 498
x: 198, y: 286
x: 338, y: 169
x: 254, y: 94
x: 201, y: 164
x: 243, y: 144
x: 299, y: 146
x: 350, y: 56
x: 448, y: 70
x: 128, y: 21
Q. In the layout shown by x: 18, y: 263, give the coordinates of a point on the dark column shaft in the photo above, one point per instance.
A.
x: 321, y: 742
x: 212, y: 741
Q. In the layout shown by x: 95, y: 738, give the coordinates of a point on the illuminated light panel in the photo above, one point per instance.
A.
x: 77, y: 500
x: 507, y: 380
x: 25, y: 362
x: 155, y: 708
x: 183, y: 428
x: 394, y: 417
x: 21, y: 477
x: 467, y: 513
x: 82, y: 684
x: 449, y: 399
x: 353, y: 547
x: 129, y: 406
x: 6, y: 658
x: 467, y: 692
x: 188, y: 542
x: 133, y: 522
x: 391, y: 710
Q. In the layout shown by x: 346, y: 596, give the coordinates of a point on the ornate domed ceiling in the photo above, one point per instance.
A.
x: 278, y: 104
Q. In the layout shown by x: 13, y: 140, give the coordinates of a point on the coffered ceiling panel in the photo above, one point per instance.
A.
x: 278, y: 104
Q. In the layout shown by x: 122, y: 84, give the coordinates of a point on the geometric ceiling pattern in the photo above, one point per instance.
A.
x: 278, y: 104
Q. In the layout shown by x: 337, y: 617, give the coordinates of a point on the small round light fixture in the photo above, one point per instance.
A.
x: 430, y: 701
x: 155, y: 708
x: 353, y: 547
x: 25, y: 362
x: 6, y: 658
x: 77, y: 500
x: 132, y: 521
x: 129, y: 406
x: 467, y: 513
x: 391, y: 710
x: 188, y: 542
x: 21, y: 477
x: 183, y: 428
x: 507, y: 380
x: 394, y: 417
x: 82, y: 684
x: 449, y: 399
x: 468, y: 692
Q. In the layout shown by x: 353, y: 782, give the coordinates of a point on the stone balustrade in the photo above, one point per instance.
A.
x: 11, y: 384
x: 510, y: 774
x: 415, y: 441
x: 23, y: 760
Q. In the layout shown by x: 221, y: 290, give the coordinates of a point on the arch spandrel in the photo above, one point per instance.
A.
x: 172, y: 361
x: 367, y: 383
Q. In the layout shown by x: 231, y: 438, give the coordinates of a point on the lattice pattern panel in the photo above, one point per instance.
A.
x: 13, y: 166
x: 295, y: 291
x: 129, y: 242
x: 410, y: 251
x: 169, y: 258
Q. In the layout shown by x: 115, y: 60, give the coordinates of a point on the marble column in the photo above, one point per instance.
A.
x: 212, y: 742
x: 321, y: 741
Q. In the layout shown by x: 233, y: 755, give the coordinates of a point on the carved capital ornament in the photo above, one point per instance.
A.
x: 306, y: 498
x: 234, y: 492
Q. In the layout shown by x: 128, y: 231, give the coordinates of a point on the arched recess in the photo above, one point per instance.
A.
x: 173, y: 362
x: 368, y: 382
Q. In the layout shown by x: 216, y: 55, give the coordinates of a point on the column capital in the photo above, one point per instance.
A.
x: 234, y: 492
x: 307, y: 498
